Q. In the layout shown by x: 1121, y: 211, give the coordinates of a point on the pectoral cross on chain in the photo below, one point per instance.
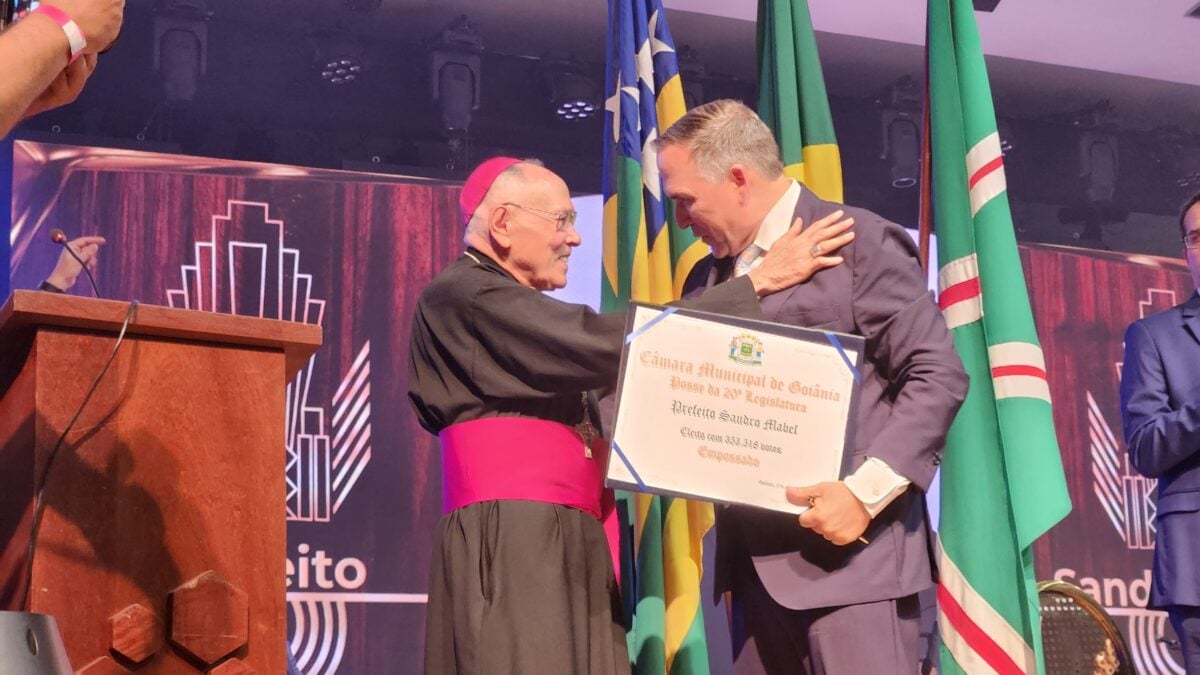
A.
x: 586, y: 430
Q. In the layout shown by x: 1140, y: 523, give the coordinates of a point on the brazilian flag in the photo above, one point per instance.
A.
x: 792, y: 99
x: 647, y: 258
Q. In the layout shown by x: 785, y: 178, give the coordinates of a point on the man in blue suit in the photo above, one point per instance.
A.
x: 1160, y: 406
x: 837, y: 592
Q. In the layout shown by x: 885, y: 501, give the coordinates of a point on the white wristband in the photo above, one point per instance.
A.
x: 74, y: 36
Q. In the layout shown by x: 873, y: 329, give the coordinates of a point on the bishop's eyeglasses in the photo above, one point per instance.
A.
x: 561, y: 219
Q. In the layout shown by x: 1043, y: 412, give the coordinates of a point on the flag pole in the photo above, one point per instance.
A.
x: 925, y: 217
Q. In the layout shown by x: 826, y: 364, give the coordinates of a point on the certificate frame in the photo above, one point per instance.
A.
x: 849, y: 347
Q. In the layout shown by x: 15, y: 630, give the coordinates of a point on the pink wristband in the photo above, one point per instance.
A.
x: 74, y: 35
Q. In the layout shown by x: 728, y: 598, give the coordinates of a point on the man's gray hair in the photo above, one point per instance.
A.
x: 723, y: 133
x: 478, y: 221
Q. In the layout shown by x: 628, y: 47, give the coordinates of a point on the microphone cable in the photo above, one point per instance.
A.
x: 39, y: 504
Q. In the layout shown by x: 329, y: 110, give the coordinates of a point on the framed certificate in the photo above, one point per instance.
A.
x: 731, y: 410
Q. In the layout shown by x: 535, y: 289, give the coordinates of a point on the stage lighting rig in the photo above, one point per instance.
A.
x: 181, y: 47
x: 338, y: 58
x: 455, y: 72
x: 900, y: 128
x: 1098, y: 150
x: 573, y: 93
x: 1099, y: 167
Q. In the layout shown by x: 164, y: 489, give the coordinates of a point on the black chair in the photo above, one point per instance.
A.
x: 1078, y: 636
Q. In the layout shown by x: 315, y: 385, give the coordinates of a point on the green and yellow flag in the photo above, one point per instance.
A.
x: 792, y: 99
x: 647, y: 258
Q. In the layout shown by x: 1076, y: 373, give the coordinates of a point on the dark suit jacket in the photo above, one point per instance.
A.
x: 1160, y: 408
x: 912, y: 385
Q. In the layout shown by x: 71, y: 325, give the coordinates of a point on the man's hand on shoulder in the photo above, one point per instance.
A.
x: 834, y: 512
x: 801, y: 253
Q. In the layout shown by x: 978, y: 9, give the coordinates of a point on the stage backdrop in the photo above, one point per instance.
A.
x: 1082, y: 302
x: 352, y: 251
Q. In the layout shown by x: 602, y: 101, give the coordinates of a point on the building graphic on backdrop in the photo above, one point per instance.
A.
x: 257, y: 275
x: 1127, y: 497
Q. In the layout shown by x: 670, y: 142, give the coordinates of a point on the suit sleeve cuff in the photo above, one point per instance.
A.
x: 876, y: 485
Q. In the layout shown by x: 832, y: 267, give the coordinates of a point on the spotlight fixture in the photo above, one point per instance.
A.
x: 900, y: 129
x: 181, y: 46
x: 1098, y: 150
x: 341, y: 70
x: 573, y: 93
x: 1099, y: 167
x: 575, y: 97
x: 337, y: 58
x: 455, y: 70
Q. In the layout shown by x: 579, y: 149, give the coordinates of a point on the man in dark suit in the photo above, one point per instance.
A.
x: 1160, y: 408
x: 837, y: 592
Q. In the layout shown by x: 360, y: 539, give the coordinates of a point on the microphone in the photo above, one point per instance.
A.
x: 59, y: 237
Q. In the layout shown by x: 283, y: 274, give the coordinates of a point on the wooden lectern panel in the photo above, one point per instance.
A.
x: 26, y: 310
x: 162, y: 545
x: 17, y: 443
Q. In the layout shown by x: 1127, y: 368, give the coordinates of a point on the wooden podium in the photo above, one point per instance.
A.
x: 163, y: 541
